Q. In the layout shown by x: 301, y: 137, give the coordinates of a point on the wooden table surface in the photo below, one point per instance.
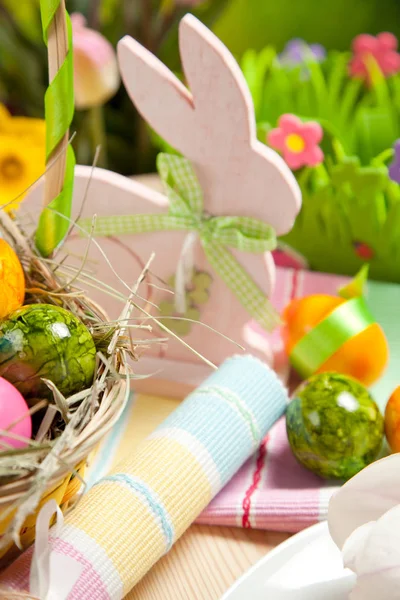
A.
x: 207, y: 560
x: 204, y: 563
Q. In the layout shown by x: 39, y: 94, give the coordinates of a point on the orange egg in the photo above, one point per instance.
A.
x: 392, y: 421
x: 363, y: 357
x: 12, y: 280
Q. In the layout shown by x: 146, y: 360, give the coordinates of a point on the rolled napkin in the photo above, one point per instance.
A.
x: 133, y: 516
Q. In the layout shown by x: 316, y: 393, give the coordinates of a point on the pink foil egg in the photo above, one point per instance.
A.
x: 12, y: 408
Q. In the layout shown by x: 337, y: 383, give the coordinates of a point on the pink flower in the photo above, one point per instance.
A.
x: 297, y: 141
x: 382, y: 48
x: 95, y: 65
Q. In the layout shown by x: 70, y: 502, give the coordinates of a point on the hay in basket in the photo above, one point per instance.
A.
x: 66, y: 430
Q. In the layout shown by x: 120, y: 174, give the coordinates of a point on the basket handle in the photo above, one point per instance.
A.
x: 54, y: 221
x: 57, y: 51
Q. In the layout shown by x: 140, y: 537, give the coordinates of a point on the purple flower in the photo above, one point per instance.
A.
x: 394, y: 168
x: 297, y: 51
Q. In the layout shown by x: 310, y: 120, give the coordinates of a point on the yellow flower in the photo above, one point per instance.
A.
x: 22, y: 156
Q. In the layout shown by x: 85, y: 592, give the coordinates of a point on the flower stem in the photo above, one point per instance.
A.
x: 98, y: 133
x: 147, y: 24
x: 304, y: 177
x: 94, y: 14
x: 143, y: 146
x: 167, y: 18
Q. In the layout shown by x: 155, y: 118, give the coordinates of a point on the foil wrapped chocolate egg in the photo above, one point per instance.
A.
x: 12, y: 280
x: 41, y: 341
x: 363, y: 354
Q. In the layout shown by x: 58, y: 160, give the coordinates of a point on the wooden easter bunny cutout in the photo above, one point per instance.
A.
x: 213, y: 126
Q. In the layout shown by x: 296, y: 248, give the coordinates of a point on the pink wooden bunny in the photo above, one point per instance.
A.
x: 213, y: 126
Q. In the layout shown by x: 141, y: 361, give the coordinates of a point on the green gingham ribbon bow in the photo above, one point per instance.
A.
x: 216, y: 234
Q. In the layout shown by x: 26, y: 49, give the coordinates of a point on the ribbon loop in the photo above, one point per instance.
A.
x: 184, y: 272
x: 52, y: 575
x: 183, y: 190
x: 244, y: 233
x: 39, y: 583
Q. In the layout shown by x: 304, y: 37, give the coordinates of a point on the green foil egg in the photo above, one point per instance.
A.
x: 43, y: 341
x: 334, y: 426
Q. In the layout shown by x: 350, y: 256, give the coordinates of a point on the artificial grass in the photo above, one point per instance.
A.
x: 351, y: 209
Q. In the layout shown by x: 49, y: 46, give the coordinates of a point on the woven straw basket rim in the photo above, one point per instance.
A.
x: 10, y: 492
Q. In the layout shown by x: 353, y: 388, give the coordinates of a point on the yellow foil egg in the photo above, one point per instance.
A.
x: 12, y: 280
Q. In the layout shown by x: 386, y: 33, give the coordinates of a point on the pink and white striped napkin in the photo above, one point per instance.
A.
x: 271, y: 491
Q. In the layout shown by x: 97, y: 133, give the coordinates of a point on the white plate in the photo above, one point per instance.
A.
x: 307, y: 566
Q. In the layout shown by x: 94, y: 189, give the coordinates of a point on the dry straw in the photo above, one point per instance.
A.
x: 70, y: 428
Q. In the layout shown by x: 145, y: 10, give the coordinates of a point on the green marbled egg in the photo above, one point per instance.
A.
x: 334, y: 426
x: 43, y: 341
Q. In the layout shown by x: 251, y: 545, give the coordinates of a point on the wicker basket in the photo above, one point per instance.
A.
x: 57, y: 471
x: 67, y: 468
x: 94, y: 416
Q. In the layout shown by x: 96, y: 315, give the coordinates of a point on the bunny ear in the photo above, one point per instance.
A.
x: 221, y: 95
x: 162, y: 100
x: 366, y: 497
x: 221, y: 100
